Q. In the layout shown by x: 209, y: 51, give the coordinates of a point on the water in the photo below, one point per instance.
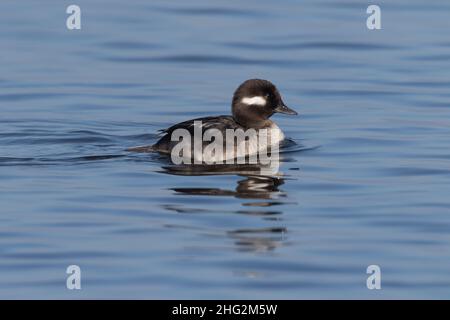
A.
x: 365, y: 179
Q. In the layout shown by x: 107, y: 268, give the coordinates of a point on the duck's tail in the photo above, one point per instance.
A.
x: 141, y: 149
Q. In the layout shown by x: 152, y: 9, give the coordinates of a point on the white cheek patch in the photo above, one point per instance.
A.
x: 258, y: 100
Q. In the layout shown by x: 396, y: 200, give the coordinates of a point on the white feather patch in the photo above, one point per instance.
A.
x: 258, y: 100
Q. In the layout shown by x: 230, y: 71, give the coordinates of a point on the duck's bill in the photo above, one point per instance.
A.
x: 286, y: 110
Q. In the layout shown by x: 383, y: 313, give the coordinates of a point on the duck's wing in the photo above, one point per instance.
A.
x: 165, y: 143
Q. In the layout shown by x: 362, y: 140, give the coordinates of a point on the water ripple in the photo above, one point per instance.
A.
x: 213, y: 11
x: 199, y: 59
x: 338, y: 46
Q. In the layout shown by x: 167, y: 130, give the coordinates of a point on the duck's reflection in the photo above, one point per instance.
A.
x: 264, y: 189
x: 258, y: 240
x: 252, y: 187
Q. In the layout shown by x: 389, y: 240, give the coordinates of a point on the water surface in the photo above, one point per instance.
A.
x: 365, y: 179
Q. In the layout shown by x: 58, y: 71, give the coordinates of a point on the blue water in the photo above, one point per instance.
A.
x: 365, y: 179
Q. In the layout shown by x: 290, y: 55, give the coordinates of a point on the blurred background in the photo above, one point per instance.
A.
x: 365, y: 176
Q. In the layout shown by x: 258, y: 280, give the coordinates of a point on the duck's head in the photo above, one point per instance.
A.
x: 255, y: 101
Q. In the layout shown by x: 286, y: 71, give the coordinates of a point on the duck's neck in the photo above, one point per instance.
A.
x: 254, y: 124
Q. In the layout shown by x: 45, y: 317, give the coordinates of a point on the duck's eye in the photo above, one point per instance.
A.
x: 268, y: 96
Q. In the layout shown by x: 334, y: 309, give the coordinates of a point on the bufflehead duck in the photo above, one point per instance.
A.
x: 254, y: 102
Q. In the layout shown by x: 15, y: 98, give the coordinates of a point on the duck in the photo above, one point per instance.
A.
x: 252, y: 105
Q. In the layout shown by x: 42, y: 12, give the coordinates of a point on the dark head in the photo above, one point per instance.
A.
x: 255, y: 101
